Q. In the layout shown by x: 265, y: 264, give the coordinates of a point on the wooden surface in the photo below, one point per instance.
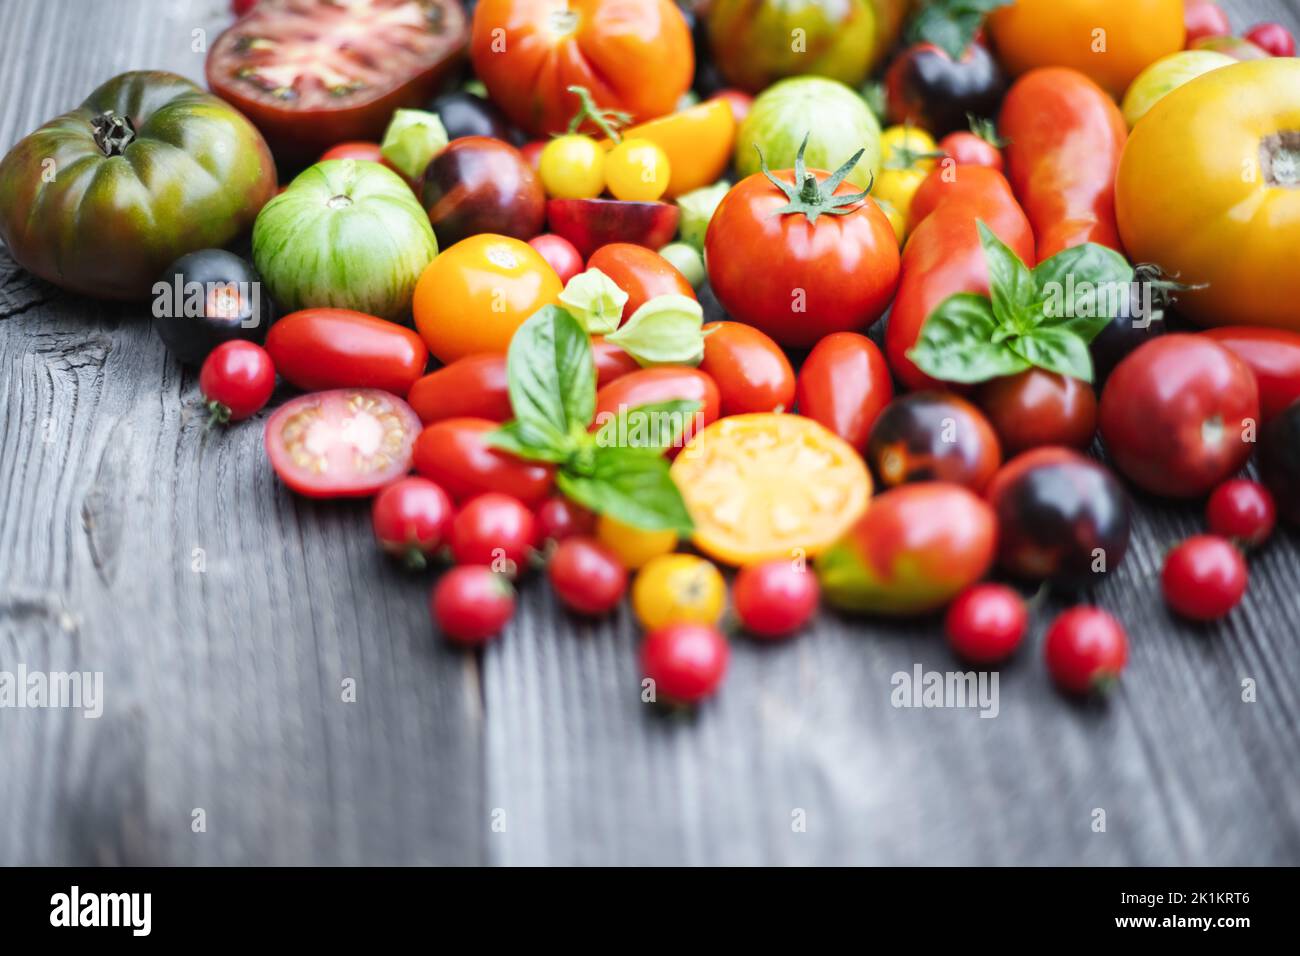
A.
x: 223, y: 686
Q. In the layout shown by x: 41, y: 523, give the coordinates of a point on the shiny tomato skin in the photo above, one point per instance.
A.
x: 453, y: 453
x: 933, y: 436
x: 661, y: 384
x: 587, y: 576
x: 559, y: 253
x: 478, y: 184
x: 751, y: 371
x: 986, y: 623
x: 1273, y: 355
x: 338, y: 348
x: 1085, y: 649
x: 1038, y: 407
x: 493, y: 529
x: 471, y: 604
x: 1243, y: 511
x: 844, y: 384
x: 611, y: 361
x: 686, y: 662
x: 1273, y: 38
x: 774, y: 599
x: 559, y: 518
x: 411, y: 518
x: 640, y: 272
x: 1179, y: 415
x: 967, y: 149
x: 1204, y: 578
x: 237, y: 379
x: 475, y: 386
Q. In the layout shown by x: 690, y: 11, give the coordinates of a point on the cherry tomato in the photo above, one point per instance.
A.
x: 471, y: 604
x: 478, y: 184
x: 686, y: 662
x: 240, y: 7
x: 739, y: 101
x: 661, y: 384
x: 453, y: 453
x: 572, y: 167
x: 237, y: 379
x: 968, y: 149
x: 611, y: 361
x: 698, y: 142
x: 751, y: 371
x: 1179, y: 415
x: 637, y: 170
x: 844, y: 384
x: 1243, y: 511
x: 345, y: 443
x: 495, y: 530
x: 559, y: 253
x: 775, y: 598
x: 559, y: 518
x: 1273, y: 355
x: 1038, y: 407
x: 339, y: 348
x: 587, y: 576
x: 677, y: 589
x: 1201, y: 18
x: 411, y: 518
x: 1279, y: 461
x: 933, y: 436
x: 1204, y: 578
x: 475, y: 386
x: 640, y: 272
x: 986, y: 623
x: 1273, y: 38
x: 633, y: 547
x: 1086, y: 649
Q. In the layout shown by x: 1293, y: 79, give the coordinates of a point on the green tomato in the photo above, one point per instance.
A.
x: 837, y: 121
x: 346, y: 233
x: 1164, y: 76
x: 686, y: 259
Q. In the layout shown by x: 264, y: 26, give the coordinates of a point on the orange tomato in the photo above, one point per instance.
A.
x: 698, y: 142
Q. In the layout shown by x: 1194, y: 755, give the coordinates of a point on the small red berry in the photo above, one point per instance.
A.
x: 1273, y: 38
x: 1204, y: 577
x: 986, y: 623
x: 587, y: 576
x: 472, y: 603
x: 559, y: 518
x: 686, y: 661
x: 1242, y: 510
x: 493, y: 529
x: 775, y: 598
x: 1086, y: 649
x: 236, y: 379
x: 411, y: 518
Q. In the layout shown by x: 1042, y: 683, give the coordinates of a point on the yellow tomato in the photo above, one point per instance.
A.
x: 1165, y: 75
x: 572, y: 167
x: 697, y: 141
x: 901, y: 146
x: 897, y: 187
x: 896, y: 219
x: 633, y: 546
x: 637, y: 170
x: 678, y: 589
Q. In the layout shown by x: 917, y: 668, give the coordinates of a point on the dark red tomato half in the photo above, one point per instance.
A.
x: 453, y: 453
x: 1273, y: 355
x: 339, y: 348
x: 312, y: 73
x: 751, y: 371
x: 640, y: 272
x: 475, y: 386
x: 844, y: 384
x: 663, y: 384
x: 345, y: 443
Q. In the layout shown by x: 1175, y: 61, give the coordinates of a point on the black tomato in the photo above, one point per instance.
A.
x: 478, y: 184
x: 1279, y: 461
x: 206, y: 298
x: 933, y: 436
x: 927, y: 87
x: 464, y: 114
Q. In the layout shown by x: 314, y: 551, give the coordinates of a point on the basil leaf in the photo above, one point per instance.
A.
x: 654, y: 427
x: 950, y: 24
x: 1011, y: 284
x: 1083, y: 288
x: 630, y: 487
x: 552, y: 379
x: 1056, y: 350
x: 513, y: 439
x: 956, y: 343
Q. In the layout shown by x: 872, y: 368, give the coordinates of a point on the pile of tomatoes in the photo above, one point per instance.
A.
x: 489, y: 275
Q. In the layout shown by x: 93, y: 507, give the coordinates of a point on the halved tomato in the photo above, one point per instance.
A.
x: 345, y: 443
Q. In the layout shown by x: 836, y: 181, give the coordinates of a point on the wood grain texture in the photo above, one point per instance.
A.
x: 223, y: 685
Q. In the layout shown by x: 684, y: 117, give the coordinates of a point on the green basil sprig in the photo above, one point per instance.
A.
x: 620, y: 470
x: 1044, y: 317
x: 950, y: 24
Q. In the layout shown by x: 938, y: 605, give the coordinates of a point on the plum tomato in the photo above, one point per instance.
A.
x: 592, y: 223
x: 411, y: 518
x: 637, y: 170
x: 969, y: 149
x: 464, y: 114
x: 1273, y: 355
x: 774, y: 599
x: 844, y: 384
x: 471, y: 604
x: 661, y: 384
x: 1085, y: 649
x: 926, y: 87
x: 338, y: 348
x: 587, y: 576
x: 1204, y: 578
x: 1273, y: 38
x: 477, y: 184
x: 986, y: 623
x: 1061, y: 517
x: 237, y: 379
x: 311, y: 73
x: 640, y: 272
x: 344, y: 443
x: 1037, y: 407
x: 455, y: 454
x: 1279, y: 461
x: 633, y: 547
x: 1202, y: 18
x: 475, y: 386
x: 686, y: 662
x: 933, y: 436
x: 678, y: 589
x: 611, y: 361
x: 914, y: 549
x: 1243, y: 511
x: 559, y: 253
x: 207, y: 298
x: 751, y: 371
x: 1179, y: 415
x: 493, y: 529
x: 559, y: 518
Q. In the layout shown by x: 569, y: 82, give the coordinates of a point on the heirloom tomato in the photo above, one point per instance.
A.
x: 464, y: 114
x: 471, y: 604
x: 237, y: 379
x: 572, y: 167
x: 1273, y: 355
x: 1165, y: 75
x: 1243, y: 511
x: 475, y: 386
x: 844, y: 384
x: 925, y: 86
x: 986, y: 623
x: 640, y: 272
x: 336, y: 348
x: 751, y: 371
x: 676, y: 589
x: 477, y: 184
x: 206, y: 298
x: 697, y: 141
x: 1037, y: 407
x: 455, y: 454
x: 933, y: 436
x: 493, y: 529
x: 411, y: 518
x: 637, y: 170
x: 775, y: 598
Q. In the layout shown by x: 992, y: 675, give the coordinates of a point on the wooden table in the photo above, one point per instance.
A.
x: 226, y: 615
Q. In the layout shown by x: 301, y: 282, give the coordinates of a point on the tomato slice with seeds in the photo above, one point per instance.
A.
x: 314, y: 73
x: 345, y: 443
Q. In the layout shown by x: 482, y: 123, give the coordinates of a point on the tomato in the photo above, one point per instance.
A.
x: 1038, y: 407
x: 241, y: 7
x: 1061, y: 517
x: 986, y: 623
x: 476, y: 184
x: 1235, y: 48
x: 776, y: 598
x: 933, y: 436
x: 914, y: 549
x: 1243, y: 511
x: 696, y: 141
x: 559, y: 254
x: 633, y: 546
x: 1204, y: 578
x: 232, y: 304
x: 678, y: 589
x: 944, y: 255
x: 751, y: 371
x: 1085, y: 649
x: 685, y: 662
x: 471, y: 604
x: 475, y: 386
x: 361, y: 149
x: 640, y: 272
x: 611, y: 361
x: 1273, y: 38
x: 453, y: 453
x: 1109, y: 40
x: 1279, y: 461
x: 635, y: 57
x: 464, y: 114
x: 739, y: 101
x: 493, y: 529
x: 345, y: 443
x: 559, y: 518
x: 762, y: 486
x: 572, y: 167
x: 969, y: 149
x: 801, y: 275
x: 338, y: 348
x: 473, y: 296
x: 844, y: 384
x: 1201, y: 18
x: 1216, y: 146
x: 904, y: 167
x: 311, y: 73
x: 237, y: 380
x: 1180, y: 415
x: 587, y: 576
x: 592, y: 223
x: 1064, y: 139
x: 1273, y: 355
x: 925, y: 86
x: 411, y: 518
x: 1167, y: 74
x: 661, y: 384
x: 637, y: 170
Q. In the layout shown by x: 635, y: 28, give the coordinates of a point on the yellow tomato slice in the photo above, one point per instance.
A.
x: 770, y: 486
x: 698, y: 142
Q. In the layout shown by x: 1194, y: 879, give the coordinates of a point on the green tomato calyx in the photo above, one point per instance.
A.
x: 113, y: 133
x: 813, y: 197
x: 608, y: 122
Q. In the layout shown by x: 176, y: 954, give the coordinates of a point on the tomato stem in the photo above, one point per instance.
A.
x: 607, y: 121
x: 218, y: 414
x: 811, y: 197
x: 113, y: 133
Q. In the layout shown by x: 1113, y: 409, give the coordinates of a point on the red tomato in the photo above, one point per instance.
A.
x: 471, y: 604
x: 844, y: 384
x: 1204, y: 578
x: 967, y: 149
x: 371, y: 152
x: 1273, y: 38
x: 346, y: 443
x: 237, y: 379
x: 559, y: 518
x: 1243, y: 511
x: 559, y: 253
x: 739, y: 101
x: 640, y: 272
x: 493, y: 529
x: 587, y: 576
x: 1204, y: 19
x: 411, y: 518
x: 475, y: 386
x: 933, y: 436
x: 686, y: 661
x: 339, y: 348
x: 661, y: 384
x: 986, y: 623
x: 1086, y: 649
x: 453, y: 453
x: 1037, y: 407
x: 611, y: 361
x: 532, y: 152
x: 1179, y: 415
x: 1273, y: 355
x: 751, y: 371
x: 240, y: 7
x: 775, y: 598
